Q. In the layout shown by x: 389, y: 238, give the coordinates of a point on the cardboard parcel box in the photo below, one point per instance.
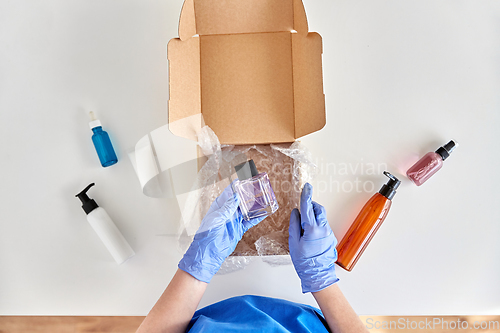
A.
x: 251, y: 71
x: 250, y: 68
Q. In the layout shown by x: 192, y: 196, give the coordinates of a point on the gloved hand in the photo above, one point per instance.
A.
x: 220, y: 230
x: 312, y: 244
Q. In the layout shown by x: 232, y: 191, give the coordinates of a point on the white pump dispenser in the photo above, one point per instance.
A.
x: 105, y: 228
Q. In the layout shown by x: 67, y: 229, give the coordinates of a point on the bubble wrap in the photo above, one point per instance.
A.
x: 288, y: 166
x: 274, y: 229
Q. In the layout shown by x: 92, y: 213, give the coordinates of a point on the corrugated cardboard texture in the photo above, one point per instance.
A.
x: 252, y: 78
x: 247, y: 87
x: 309, y: 100
x: 184, y: 71
x: 242, y: 16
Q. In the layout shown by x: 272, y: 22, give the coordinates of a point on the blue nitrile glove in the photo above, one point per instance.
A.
x: 312, y: 244
x: 220, y: 230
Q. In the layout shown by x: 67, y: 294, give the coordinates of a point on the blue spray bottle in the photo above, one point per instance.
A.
x: 102, y: 143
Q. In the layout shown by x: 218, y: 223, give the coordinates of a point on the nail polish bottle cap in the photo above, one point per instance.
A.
x: 246, y: 170
x: 446, y: 150
x: 389, y: 189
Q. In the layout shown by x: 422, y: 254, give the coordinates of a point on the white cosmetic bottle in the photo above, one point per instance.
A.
x: 105, y: 228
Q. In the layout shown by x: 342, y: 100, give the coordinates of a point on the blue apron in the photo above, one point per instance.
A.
x: 257, y: 314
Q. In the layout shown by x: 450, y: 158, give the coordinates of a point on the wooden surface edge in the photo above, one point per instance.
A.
x: 129, y: 324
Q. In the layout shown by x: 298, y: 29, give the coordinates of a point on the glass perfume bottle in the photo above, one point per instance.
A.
x: 429, y: 164
x: 257, y: 197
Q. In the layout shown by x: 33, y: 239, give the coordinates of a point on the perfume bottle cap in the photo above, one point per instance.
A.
x: 88, y: 204
x: 389, y: 189
x: 246, y: 170
x: 446, y: 150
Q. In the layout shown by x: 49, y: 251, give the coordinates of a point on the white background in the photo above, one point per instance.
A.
x: 400, y: 78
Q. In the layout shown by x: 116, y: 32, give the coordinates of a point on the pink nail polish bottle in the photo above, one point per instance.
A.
x: 429, y: 164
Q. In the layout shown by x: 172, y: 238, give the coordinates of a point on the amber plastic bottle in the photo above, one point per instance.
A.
x: 366, y: 224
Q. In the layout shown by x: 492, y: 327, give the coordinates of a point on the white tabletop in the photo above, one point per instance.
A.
x: 400, y: 78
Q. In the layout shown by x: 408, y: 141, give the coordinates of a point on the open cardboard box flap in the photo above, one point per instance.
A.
x: 250, y: 68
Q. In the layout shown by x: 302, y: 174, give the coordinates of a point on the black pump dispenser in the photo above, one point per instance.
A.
x: 88, y: 204
x: 246, y: 170
x: 389, y: 189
